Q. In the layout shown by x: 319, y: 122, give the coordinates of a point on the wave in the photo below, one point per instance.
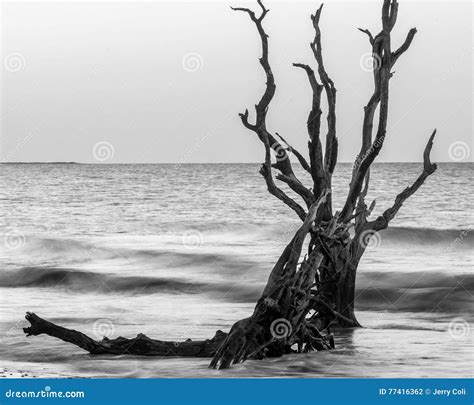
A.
x: 417, y: 291
x: 377, y: 291
x: 441, y: 299
x: 237, y: 237
x: 407, y: 235
x: 228, y: 264
x: 453, y: 239
x: 92, y: 282
x: 60, y: 249
x: 71, y: 253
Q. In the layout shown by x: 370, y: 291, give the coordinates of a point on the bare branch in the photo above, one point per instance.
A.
x: 278, y: 193
x: 313, y: 125
x: 283, y: 163
x: 296, y: 186
x: 264, y: 10
x: 262, y: 106
x: 393, y: 13
x: 387, y: 4
x: 330, y: 90
x: 405, y: 45
x: 245, y: 120
x: 265, y: 171
x: 383, y: 62
x: 428, y: 168
x: 312, y: 78
x: 304, y: 164
x: 246, y: 10
x: 369, y: 34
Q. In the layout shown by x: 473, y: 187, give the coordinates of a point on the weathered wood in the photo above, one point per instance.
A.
x: 428, y: 169
x: 140, y: 345
x: 333, y: 255
x: 283, y: 163
x: 314, y: 126
x: 383, y: 63
x: 330, y: 156
x: 284, y: 304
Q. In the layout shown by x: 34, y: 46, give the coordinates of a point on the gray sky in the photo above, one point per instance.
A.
x: 163, y: 82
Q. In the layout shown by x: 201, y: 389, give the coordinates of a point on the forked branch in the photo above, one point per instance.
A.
x: 428, y: 168
x: 283, y: 163
x: 383, y: 61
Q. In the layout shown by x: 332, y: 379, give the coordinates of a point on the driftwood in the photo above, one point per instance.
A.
x: 140, y: 346
x: 309, y: 291
x: 307, y: 295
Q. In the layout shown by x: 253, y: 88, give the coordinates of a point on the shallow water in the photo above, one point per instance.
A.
x: 178, y: 251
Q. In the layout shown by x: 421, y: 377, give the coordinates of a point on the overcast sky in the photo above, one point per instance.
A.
x: 163, y: 82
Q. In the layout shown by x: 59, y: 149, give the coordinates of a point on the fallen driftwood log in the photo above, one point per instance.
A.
x: 141, y: 345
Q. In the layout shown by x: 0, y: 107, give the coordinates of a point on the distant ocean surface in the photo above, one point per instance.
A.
x: 179, y: 251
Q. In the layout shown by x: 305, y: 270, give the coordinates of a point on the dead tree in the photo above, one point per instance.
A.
x: 308, y: 297
x: 310, y: 289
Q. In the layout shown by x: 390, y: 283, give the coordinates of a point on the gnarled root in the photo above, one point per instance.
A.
x: 268, y: 337
x: 245, y: 340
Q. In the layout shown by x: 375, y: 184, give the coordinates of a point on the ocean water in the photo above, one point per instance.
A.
x: 180, y: 251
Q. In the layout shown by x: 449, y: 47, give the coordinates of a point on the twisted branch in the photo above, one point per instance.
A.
x: 283, y: 163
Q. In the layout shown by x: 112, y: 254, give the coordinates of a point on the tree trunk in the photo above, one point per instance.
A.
x: 282, y: 318
x: 346, y: 297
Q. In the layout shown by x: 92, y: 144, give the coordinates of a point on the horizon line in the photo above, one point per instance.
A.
x: 195, y: 163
